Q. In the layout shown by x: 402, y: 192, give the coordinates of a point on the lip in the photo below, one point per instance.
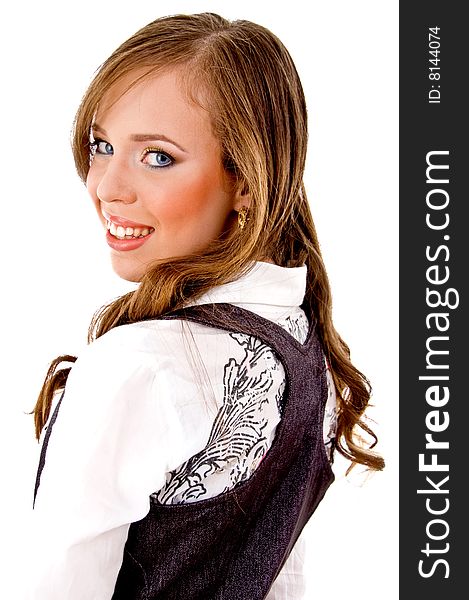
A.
x: 126, y: 245
x: 124, y: 222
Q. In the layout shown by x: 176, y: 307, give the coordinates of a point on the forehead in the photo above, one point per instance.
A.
x: 158, y: 100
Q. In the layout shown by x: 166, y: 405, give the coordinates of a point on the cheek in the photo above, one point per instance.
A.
x: 91, y: 186
x: 198, y: 198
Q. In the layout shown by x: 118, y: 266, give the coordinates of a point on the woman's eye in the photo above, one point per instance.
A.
x: 157, y: 158
x: 101, y: 147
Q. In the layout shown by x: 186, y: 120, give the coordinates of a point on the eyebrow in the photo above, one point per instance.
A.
x: 142, y: 137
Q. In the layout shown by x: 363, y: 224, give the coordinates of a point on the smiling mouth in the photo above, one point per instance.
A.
x: 128, y: 233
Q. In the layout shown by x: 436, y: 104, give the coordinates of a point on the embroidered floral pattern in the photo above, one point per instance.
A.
x: 237, y: 442
x: 244, y: 426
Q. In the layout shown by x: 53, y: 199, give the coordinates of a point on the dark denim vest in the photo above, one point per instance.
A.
x: 232, y: 546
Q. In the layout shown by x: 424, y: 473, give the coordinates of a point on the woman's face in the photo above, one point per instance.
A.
x: 156, y: 177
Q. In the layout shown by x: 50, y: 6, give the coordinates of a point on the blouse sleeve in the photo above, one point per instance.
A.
x: 110, y: 447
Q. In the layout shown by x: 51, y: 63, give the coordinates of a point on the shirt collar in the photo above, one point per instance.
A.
x: 264, y: 283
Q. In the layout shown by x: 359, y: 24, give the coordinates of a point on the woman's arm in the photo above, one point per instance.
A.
x: 110, y: 447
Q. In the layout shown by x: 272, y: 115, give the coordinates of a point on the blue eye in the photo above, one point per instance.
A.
x: 98, y: 146
x: 156, y: 158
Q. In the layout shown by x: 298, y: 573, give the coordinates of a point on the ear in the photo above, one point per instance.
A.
x: 241, y: 198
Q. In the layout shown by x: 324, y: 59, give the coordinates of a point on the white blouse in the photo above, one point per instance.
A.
x: 140, y: 401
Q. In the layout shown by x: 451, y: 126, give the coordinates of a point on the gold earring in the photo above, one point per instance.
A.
x: 242, y: 216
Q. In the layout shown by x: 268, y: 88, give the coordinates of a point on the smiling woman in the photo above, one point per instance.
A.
x: 176, y: 192
x: 192, y: 440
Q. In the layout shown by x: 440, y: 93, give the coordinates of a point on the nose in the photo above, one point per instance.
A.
x: 114, y: 183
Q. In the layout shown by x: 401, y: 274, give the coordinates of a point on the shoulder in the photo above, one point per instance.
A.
x: 141, y: 343
x: 145, y: 355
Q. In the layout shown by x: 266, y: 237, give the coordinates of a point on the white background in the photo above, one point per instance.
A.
x: 55, y: 270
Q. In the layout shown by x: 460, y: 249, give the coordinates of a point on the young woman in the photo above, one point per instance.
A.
x: 188, y: 446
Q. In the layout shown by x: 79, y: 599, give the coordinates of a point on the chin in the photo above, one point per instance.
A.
x: 127, y: 272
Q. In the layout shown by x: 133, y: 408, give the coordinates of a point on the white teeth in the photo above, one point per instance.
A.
x: 127, y: 232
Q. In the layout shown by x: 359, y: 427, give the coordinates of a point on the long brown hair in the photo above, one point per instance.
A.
x: 245, y: 78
